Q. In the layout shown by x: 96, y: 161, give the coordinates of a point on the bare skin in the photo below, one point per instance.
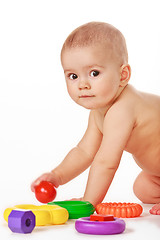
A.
x: 121, y: 119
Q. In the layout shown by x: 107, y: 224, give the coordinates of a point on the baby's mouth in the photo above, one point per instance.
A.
x: 86, y: 96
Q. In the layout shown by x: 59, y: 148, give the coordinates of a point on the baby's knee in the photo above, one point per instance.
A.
x: 145, y: 188
x: 141, y: 188
x: 138, y: 187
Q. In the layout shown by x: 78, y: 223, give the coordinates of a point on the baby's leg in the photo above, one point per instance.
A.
x: 147, y: 189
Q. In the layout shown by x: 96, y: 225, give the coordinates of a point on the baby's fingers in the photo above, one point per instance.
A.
x: 34, y: 184
x: 50, y: 177
x: 44, y: 177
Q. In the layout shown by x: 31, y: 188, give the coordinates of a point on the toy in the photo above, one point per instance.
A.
x: 21, y: 221
x: 123, y: 210
x: 101, y: 217
x: 87, y: 226
x: 44, y: 214
x: 45, y: 192
x: 76, y: 209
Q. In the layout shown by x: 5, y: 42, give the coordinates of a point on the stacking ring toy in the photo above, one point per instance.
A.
x: 21, y: 221
x: 45, y: 214
x: 123, y: 210
x: 76, y: 209
x: 85, y: 225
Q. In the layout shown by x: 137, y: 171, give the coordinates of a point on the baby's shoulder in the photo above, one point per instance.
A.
x: 124, y: 108
x: 126, y: 102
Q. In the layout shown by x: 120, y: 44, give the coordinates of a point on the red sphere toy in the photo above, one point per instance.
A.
x: 45, y: 192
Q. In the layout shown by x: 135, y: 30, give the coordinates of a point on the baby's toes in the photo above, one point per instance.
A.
x: 155, y: 209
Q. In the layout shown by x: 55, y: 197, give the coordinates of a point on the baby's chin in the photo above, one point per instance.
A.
x: 89, y: 106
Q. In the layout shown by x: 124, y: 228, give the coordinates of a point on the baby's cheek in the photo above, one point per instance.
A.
x: 73, y: 95
x: 106, y: 91
x: 70, y: 90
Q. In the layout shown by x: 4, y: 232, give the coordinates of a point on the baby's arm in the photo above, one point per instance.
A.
x: 77, y: 160
x: 118, y: 125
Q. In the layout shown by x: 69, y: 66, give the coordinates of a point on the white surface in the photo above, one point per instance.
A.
x: 38, y: 121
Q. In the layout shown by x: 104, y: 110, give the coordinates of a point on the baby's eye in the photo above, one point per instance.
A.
x: 72, y: 76
x: 94, y: 73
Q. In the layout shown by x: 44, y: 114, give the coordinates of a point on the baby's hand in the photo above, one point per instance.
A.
x: 50, y: 177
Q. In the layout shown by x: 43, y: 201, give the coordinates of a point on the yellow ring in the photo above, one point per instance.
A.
x: 45, y: 214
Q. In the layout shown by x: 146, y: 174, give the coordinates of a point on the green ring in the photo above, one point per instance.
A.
x: 76, y: 209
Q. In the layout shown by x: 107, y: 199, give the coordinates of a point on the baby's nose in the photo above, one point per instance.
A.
x: 84, y: 84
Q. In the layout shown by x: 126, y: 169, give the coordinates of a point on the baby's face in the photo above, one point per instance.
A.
x: 92, y: 76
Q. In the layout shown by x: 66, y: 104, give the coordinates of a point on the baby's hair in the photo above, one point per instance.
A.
x: 93, y: 33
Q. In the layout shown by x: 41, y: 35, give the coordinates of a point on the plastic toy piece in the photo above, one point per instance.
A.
x: 21, y: 221
x: 76, y: 209
x: 84, y: 225
x: 45, y: 192
x: 123, y: 210
x: 101, y: 218
x: 45, y: 214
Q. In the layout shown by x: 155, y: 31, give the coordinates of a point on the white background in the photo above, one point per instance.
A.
x: 39, y: 123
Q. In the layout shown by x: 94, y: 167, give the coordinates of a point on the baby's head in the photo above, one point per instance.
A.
x: 99, y: 33
x: 95, y: 62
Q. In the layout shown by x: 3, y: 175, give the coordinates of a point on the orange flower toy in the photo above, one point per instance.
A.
x: 120, y: 210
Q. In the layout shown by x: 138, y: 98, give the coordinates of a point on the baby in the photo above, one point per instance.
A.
x: 95, y: 62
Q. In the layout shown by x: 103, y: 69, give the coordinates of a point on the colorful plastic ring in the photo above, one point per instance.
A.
x: 45, y: 214
x: 21, y: 221
x: 123, y: 210
x: 76, y: 209
x: 84, y: 225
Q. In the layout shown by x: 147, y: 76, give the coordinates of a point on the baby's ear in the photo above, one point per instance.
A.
x: 125, y: 74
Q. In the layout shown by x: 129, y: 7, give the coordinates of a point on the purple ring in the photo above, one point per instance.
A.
x: 84, y: 225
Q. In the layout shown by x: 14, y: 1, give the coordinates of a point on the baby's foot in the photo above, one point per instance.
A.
x: 155, y: 209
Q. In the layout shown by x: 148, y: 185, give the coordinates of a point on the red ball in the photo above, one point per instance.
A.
x: 45, y: 192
